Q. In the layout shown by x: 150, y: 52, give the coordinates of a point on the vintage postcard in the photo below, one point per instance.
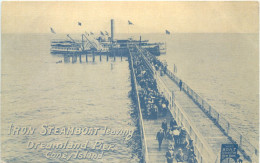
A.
x: 130, y: 81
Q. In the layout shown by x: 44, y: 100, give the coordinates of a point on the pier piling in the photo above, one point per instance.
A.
x: 114, y: 55
x: 74, y: 58
x: 80, y: 58
x: 93, y: 58
x: 121, y: 55
x: 66, y: 58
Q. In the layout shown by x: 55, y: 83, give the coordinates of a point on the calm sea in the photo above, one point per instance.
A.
x: 36, y: 91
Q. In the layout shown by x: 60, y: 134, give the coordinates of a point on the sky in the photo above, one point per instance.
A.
x: 147, y: 17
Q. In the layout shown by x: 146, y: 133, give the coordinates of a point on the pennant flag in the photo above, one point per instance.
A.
x: 167, y: 32
x: 130, y: 23
x: 79, y: 23
x: 52, y: 31
x: 106, y: 33
x: 91, y: 33
x: 101, y: 33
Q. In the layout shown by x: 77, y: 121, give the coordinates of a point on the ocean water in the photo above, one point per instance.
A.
x: 36, y: 91
x: 223, y: 69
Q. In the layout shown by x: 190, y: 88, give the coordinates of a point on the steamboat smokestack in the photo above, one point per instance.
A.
x: 112, y: 30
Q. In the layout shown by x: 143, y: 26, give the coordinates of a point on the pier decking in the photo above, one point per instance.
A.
x: 151, y: 128
x: 205, y: 126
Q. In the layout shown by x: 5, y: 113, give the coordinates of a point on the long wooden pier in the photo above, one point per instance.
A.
x: 149, y: 127
x: 206, y: 127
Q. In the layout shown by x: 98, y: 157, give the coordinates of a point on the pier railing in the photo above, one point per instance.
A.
x: 141, y: 125
x: 201, y: 148
x: 204, y: 153
x: 249, y: 150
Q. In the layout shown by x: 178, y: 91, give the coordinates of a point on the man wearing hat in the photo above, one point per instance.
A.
x: 159, y: 137
x: 180, y: 156
x: 164, y: 126
x: 170, y: 155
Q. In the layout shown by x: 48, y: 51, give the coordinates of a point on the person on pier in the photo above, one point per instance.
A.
x: 164, y: 126
x: 154, y: 111
x: 239, y: 159
x: 180, y: 84
x: 176, y: 136
x: 170, y: 155
x: 173, y: 124
x: 192, y: 158
x: 159, y: 137
x: 180, y: 156
x: 170, y: 138
x: 165, y: 68
x: 190, y: 153
x: 183, y: 142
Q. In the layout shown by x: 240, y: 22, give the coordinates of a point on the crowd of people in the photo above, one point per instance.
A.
x: 158, y: 65
x: 179, y: 147
x: 153, y: 103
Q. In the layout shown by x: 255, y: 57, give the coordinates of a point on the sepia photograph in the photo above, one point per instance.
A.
x: 129, y: 81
